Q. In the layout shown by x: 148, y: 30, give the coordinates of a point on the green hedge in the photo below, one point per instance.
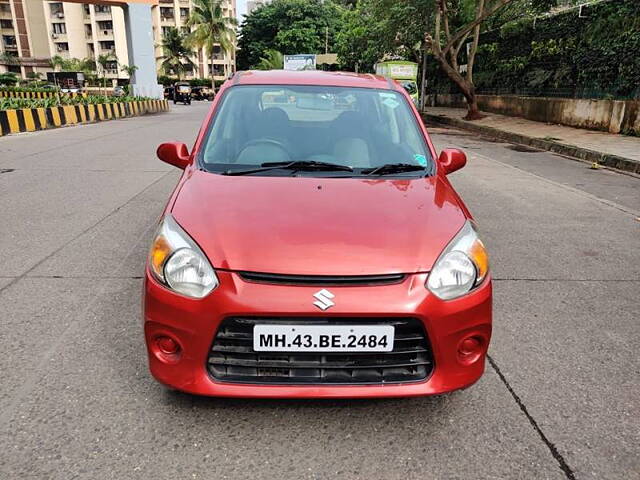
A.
x: 595, y: 56
x: 14, y: 103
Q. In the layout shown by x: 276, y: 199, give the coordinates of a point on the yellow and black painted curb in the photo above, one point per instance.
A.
x: 19, y: 94
x: 32, y: 119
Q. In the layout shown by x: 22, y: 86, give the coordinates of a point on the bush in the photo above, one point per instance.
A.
x: 8, y: 78
x: 14, y: 103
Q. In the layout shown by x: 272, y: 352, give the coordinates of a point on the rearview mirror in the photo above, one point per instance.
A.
x: 452, y: 159
x: 174, y: 153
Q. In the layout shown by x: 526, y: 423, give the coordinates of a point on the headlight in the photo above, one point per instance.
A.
x: 177, y: 262
x: 462, y: 266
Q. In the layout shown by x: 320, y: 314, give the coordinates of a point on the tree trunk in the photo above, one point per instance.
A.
x: 423, y: 83
x: 467, y: 88
x: 213, y: 81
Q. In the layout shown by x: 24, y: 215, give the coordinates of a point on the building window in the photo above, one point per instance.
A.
x: 57, y: 10
x: 184, y: 13
x: 87, y: 10
x: 218, y: 70
x: 105, y: 25
x: 102, y: 8
x: 6, y: 24
x: 9, y: 40
x: 59, y: 28
x: 166, y: 13
x: 62, y: 47
x: 107, y: 45
x: 111, y: 67
x: 91, y: 48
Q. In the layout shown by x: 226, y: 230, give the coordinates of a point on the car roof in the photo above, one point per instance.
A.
x: 312, y: 77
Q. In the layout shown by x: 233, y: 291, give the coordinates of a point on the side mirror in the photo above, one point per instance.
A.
x: 452, y: 159
x: 174, y: 153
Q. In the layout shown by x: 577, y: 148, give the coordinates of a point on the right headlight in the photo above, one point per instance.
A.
x: 177, y: 262
x: 461, y: 267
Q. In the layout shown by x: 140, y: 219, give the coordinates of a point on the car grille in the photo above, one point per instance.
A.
x: 232, y: 358
x: 323, y: 280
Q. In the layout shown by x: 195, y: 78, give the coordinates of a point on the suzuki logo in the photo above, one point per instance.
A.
x: 324, y: 299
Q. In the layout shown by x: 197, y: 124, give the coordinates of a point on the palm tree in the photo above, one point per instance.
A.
x: 176, y: 58
x: 103, y: 61
x: 273, y: 60
x: 57, y: 62
x: 211, y: 28
x: 129, y: 70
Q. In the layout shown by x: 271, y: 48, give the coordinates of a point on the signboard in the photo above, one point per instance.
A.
x: 300, y: 62
x: 397, y: 70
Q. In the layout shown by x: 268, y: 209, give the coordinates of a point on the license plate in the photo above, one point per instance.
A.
x: 323, y: 338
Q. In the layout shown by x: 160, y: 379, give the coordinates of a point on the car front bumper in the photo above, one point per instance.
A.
x: 193, y: 325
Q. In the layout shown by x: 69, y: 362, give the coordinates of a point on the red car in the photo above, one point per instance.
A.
x: 314, y: 247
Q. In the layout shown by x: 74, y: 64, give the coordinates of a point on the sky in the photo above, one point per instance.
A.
x: 241, y: 9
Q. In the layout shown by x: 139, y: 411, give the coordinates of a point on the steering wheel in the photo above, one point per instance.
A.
x: 265, y: 142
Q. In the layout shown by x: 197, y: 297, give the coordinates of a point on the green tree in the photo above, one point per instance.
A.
x: 85, y: 65
x: 210, y: 27
x: 9, y: 59
x: 290, y: 27
x: 273, y: 60
x: 130, y: 70
x: 379, y: 28
x: 8, y: 78
x: 103, y: 61
x: 176, y: 55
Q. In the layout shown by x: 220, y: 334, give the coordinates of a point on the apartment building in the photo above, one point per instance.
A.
x: 24, y: 47
x: 175, y: 13
x: 34, y: 31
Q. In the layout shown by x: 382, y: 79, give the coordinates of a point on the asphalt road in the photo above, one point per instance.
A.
x: 560, y: 398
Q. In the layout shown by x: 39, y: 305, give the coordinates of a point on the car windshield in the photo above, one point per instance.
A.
x: 360, y: 128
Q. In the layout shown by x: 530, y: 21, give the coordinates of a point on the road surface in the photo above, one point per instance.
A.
x: 560, y: 397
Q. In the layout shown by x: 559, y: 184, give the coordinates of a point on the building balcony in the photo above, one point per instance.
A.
x: 59, y: 37
x: 104, y: 34
x: 5, y: 14
x: 102, y: 16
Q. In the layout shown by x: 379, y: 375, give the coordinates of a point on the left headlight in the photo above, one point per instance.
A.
x: 461, y: 267
x: 176, y: 261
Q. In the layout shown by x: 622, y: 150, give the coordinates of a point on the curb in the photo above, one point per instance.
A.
x: 32, y: 119
x: 591, y: 156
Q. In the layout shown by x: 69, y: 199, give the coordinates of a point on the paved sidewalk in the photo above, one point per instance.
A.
x: 618, y: 151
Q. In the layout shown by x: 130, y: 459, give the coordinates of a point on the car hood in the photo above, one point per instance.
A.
x: 318, y: 226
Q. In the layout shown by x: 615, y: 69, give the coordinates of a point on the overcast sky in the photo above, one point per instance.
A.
x: 241, y: 9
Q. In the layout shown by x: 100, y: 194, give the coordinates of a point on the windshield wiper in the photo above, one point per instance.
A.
x: 306, y: 165
x: 393, y: 168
